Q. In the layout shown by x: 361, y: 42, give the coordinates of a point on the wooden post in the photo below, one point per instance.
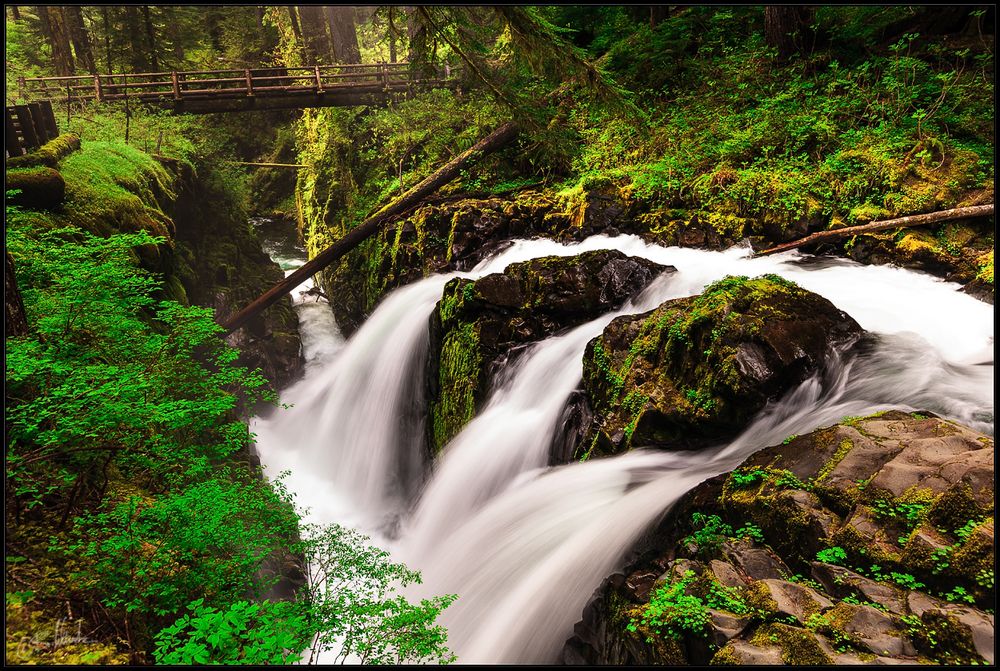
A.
x: 249, y: 82
x: 11, y: 140
x: 41, y: 129
x: 319, y: 82
x: 98, y: 91
x: 49, y: 119
x: 21, y: 90
x: 27, y: 126
x: 492, y: 142
x: 177, y: 85
x: 385, y: 76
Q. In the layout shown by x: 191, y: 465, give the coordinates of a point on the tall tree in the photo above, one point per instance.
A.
x: 147, y: 21
x: 54, y: 27
x: 80, y: 37
x: 137, y: 58
x: 314, y: 34
x: 15, y: 13
x: 343, y: 34
x: 787, y: 29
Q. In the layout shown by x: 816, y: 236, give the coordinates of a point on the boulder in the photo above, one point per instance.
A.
x: 40, y: 188
x: 479, y: 324
x: 695, y: 370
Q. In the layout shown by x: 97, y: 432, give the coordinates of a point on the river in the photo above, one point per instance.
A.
x: 524, y: 545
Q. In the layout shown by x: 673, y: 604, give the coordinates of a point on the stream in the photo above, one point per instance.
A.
x: 524, y: 545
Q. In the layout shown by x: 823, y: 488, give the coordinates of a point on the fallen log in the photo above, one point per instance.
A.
x: 492, y: 142
x: 901, y: 222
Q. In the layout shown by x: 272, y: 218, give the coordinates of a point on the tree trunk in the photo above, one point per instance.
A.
x: 54, y: 25
x: 81, y: 38
x: 294, y: 18
x: 137, y: 57
x: 15, y: 13
x: 492, y: 142
x: 901, y: 222
x: 343, y: 34
x: 392, y: 36
x: 786, y: 28
x: 657, y: 13
x: 314, y: 34
x: 150, y: 38
x: 15, y: 323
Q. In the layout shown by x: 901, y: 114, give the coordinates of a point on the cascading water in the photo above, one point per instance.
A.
x: 524, y: 546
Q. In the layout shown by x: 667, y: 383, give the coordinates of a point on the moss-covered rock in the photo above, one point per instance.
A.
x: 49, y: 154
x: 695, y: 370
x: 40, y: 188
x: 477, y: 324
x: 896, y: 507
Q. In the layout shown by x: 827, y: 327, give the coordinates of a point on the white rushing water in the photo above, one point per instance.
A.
x: 524, y: 546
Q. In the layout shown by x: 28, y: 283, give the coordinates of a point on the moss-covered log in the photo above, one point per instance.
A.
x: 40, y: 188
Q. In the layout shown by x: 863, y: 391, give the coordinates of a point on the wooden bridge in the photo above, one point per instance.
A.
x: 233, y: 90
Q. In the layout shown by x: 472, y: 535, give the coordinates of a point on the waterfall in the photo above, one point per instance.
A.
x: 524, y: 546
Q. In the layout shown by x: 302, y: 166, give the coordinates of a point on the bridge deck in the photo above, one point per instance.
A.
x: 205, y: 91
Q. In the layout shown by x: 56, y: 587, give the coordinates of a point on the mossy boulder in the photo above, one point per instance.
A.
x: 898, y: 511
x: 695, y: 370
x: 40, y: 188
x: 49, y: 154
x: 478, y: 324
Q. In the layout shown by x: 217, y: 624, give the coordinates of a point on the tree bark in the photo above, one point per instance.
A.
x: 150, y: 38
x: 343, y: 34
x: 786, y: 28
x: 294, y: 18
x: 137, y: 57
x: 15, y: 323
x: 107, y: 37
x: 81, y: 38
x: 54, y: 25
x: 314, y: 34
x: 15, y: 13
x: 901, y: 222
x: 492, y: 142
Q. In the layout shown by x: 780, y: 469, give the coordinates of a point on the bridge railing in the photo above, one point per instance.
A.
x: 230, y: 82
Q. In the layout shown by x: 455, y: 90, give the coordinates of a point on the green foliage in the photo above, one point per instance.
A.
x: 674, y: 613
x: 245, y: 633
x: 710, y: 532
x: 832, y: 555
x: 352, y: 602
x: 125, y: 406
x: 153, y: 557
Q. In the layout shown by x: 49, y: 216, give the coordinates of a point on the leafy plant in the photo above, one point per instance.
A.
x: 833, y: 555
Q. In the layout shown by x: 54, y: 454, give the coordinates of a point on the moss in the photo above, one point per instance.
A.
x: 798, y: 646
x: 985, y: 265
x: 955, y: 507
x: 946, y: 640
x: 40, y: 188
x: 726, y: 657
x: 846, y: 445
x: 458, y: 377
x: 49, y: 154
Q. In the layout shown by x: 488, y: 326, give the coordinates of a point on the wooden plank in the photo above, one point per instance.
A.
x: 49, y: 119
x: 13, y: 142
x: 177, y: 85
x: 23, y: 115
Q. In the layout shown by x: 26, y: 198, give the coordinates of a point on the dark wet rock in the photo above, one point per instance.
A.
x: 756, y: 563
x: 478, y: 325
x: 903, y: 573
x: 789, y: 599
x: 726, y: 574
x: 695, y: 370
x: 841, y: 582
